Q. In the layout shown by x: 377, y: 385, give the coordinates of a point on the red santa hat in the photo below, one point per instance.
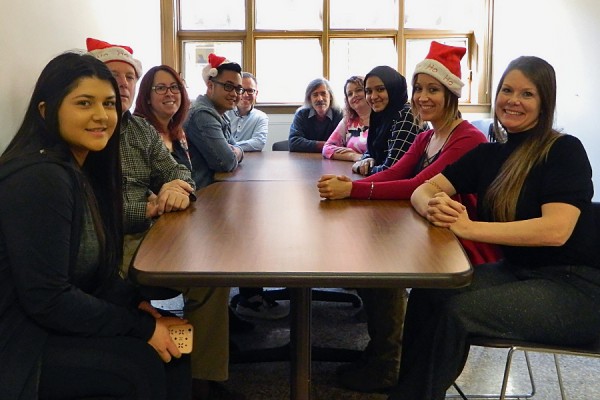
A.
x: 443, y: 63
x: 211, y: 69
x: 107, y: 52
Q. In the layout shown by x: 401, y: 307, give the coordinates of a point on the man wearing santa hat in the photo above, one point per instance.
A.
x: 142, y: 152
x: 212, y: 148
x: 154, y: 183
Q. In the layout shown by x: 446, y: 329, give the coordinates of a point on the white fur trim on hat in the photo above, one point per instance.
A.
x: 209, y: 72
x: 437, y: 70
x: 107, y: 52
x: 118, y: 54
x: 214, y: 62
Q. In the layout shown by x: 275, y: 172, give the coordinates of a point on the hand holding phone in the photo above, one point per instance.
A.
x: 183, y: 336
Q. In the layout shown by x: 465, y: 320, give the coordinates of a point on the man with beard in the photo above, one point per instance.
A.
x: 316, y: 119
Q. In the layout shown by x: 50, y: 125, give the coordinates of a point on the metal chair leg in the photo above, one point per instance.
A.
x: 563, y: 394
x: 507, y: 373
x: 460, y: 392
x: 502, y: 395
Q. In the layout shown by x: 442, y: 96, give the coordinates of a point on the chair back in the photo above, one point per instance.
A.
x: 485, y: 126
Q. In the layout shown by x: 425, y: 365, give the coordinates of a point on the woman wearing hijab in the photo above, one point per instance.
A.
x: 392, y: 126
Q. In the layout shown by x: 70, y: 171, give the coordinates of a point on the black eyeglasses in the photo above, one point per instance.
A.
x: 249, y: 91
x: 162, y: 89
x: 229, y: 87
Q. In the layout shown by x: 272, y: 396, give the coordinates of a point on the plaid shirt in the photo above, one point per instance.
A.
x: 403, y: 132
x: 147, y: 165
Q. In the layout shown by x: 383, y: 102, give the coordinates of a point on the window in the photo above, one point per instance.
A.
x: 195, y: 57
x: 287, y: 43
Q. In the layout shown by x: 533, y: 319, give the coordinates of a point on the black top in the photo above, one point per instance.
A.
x: 48, y: 272
x: 306, y: 129
x: 564, y: 177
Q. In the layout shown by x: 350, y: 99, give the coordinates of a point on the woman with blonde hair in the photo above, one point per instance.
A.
x: 348, y: 141
x: 436, y: 90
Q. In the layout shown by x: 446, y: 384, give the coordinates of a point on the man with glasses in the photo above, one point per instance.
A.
x: 212, y: 148
x: 315, y: 121
x: 249, y: 126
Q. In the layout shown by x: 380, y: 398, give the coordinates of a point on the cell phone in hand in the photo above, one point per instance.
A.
x: 183, y: 336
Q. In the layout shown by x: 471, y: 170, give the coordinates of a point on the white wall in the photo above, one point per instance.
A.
x: 34, y: 31
x: 279, y: 128
x: 564, y: 32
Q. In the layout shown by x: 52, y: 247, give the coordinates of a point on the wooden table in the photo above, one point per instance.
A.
x: 286, y: 166
x: 279, y: 233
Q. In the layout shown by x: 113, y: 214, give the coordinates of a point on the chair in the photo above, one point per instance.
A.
x: 526, y: 347
x: 486, y: 126
x: 283, y: 145
x: 282, y: 353
x: 592, y: 350
x: 317, y: 295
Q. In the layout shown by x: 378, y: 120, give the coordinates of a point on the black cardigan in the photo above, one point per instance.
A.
x: 41, y: 211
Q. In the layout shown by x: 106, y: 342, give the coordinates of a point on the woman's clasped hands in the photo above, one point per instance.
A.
x: 444, y: 212
x: 334, y: 187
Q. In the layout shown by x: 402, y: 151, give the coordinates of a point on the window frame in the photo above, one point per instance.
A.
x: 480, y: 54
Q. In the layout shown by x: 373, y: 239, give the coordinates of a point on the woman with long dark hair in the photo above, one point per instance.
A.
x: 70, y: 327
x: 534, y: 192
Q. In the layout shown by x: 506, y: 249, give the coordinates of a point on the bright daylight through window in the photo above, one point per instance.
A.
x: 287, y: 43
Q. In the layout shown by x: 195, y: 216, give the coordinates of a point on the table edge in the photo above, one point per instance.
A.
x: 382, y: 280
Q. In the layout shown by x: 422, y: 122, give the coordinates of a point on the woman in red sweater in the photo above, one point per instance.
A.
x: 436, y: 90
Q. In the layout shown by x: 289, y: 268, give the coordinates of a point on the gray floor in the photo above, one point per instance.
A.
x: 336, y: 325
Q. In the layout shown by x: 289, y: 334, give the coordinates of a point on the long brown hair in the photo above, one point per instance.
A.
x: 502, y: 195
x: 144, y: 109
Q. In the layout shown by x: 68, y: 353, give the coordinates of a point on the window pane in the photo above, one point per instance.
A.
x: 357, y: 57
x: 285, y: 66
x: 291, y: 15
x: 417, y: 49
x: 353, y: 14
x: 443, y: 14
x: 213, y: 15
x: 196, y: 58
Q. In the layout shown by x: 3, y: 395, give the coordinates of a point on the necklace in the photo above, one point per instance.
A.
x: 428, y: 160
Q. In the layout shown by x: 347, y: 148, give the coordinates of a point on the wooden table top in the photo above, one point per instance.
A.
x: 286, y: 166
x: 280, y: 233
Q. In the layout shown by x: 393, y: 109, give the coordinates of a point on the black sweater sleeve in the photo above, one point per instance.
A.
x: 36, y: 223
